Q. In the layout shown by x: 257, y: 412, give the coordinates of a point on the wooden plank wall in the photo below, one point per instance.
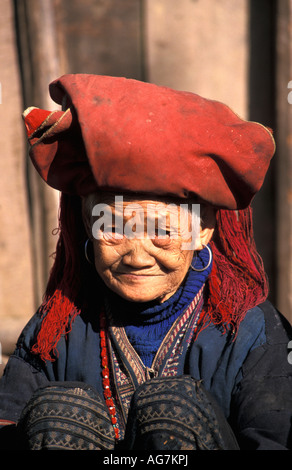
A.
x: 236, y: 51
x: 16, y: 273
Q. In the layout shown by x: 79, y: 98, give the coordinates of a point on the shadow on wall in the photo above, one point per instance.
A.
x: 261, y: 84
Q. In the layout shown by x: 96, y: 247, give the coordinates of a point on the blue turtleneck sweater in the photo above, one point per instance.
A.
x: 147, y: 323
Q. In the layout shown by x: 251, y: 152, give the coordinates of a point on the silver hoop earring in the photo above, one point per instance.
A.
x: 209, y: 262
x: 85, y: 251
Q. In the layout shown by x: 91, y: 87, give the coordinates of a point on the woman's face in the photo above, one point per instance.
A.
x: 137, y: 263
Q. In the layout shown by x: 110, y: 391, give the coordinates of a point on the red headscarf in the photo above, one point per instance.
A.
x: 124, y: 135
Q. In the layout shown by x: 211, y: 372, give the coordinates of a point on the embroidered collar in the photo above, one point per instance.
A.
x: 126, y: 367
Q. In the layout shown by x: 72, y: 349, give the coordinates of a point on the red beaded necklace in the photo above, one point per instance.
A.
x: 105, y: 376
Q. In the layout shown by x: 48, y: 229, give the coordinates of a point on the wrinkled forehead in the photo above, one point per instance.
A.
x: 145, y: 206
x: 143, y: 200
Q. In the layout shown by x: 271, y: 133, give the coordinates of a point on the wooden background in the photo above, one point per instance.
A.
x: 235, y: 51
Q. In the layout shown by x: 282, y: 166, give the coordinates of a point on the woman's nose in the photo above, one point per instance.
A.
x: 137, y: 255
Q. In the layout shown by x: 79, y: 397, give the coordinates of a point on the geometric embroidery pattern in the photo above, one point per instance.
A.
x: 127, y: 368
x: 67, y: 417
x: 174, y: 412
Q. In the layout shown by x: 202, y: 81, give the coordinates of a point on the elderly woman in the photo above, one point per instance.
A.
x: 155, y: 331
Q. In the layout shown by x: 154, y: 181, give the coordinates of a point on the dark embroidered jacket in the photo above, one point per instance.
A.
x: 249, y: 376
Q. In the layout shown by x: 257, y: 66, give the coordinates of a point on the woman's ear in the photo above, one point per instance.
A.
x: 208, y: 218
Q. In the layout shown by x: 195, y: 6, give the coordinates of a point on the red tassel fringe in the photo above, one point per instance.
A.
x: 238, y: 281
x: 59, y: 313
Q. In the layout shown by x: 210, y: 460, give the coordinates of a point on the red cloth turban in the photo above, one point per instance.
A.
x: 125, y: 135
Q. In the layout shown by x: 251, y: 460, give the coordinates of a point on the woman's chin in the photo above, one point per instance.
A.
x: 136, y: 296
x: 141, y: 295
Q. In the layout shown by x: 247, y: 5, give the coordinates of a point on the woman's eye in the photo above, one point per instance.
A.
x: 162, y: 240
x: 112, y: 234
